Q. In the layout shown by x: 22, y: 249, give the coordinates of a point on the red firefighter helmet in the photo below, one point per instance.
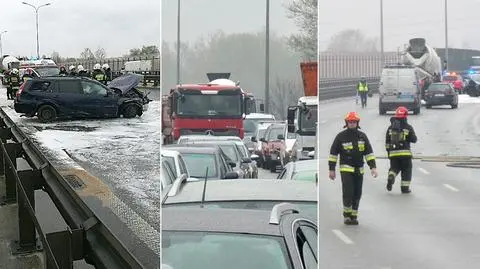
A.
x: 352, y: 116
x: 401, y: 112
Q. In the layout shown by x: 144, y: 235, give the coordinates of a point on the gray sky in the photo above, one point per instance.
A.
x: 199, y: 18
x: 69, y: 26
x: 403, y: 20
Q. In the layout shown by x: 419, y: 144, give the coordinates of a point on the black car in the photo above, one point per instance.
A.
x: 79, y: 97
x: 198, y: 159
x: 472, y: 85
x: 281, y: 238
x: 441, y: 93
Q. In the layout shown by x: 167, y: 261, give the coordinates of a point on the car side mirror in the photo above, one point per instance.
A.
x: 231, y: 175
x: 253, y: 139
x: 246, y: 160
x: 232, y: 164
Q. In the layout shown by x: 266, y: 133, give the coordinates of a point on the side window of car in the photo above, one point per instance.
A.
x: 90, y: 88
x: 41, y: 86
x: 224, y: 167
x: 69, y: 86
x: 306, y: 237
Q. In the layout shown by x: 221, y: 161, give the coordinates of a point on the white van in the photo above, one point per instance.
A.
x: 399, y: 87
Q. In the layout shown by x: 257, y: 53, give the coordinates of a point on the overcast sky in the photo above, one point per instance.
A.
x: 403, y: 20
x: 199, y: 18
x: 69, y: 26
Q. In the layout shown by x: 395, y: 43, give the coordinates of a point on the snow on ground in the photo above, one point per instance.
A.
x: 466, y: 99
x: 124, y: 153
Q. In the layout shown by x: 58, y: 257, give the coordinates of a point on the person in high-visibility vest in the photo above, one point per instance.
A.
x: 362, y: 90
x: 397, y: 143
x: 353, y: 146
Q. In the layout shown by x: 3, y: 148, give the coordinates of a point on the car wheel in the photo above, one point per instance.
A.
x: 46, y: 113
x: 428, y: 106
x: 454, y: 106
x: 130, y: 111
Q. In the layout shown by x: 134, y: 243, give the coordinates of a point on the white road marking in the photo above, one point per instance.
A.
x: 424, y: 171
x: 343, y: 237
x: 450, y: 187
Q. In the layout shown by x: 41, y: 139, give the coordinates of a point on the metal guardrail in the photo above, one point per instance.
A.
x: 338, y: 88
x: 86, y: 237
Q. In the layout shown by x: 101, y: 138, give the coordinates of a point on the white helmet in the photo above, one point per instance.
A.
x: 71, y: 68
x: 15, y: 71
x: 105, y: 66
x: 97, y: 67
x: 80, y: 68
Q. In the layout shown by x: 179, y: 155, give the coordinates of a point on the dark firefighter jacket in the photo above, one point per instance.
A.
x: 352, y: 146
x: 409, y: 136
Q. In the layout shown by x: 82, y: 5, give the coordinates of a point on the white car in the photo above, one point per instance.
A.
x: 176, y: 161
x: 184, y: 138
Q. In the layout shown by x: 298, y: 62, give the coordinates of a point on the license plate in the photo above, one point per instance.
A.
x: 439, y: 94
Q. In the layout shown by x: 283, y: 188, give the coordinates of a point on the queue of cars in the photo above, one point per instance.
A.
x: 218, y: 211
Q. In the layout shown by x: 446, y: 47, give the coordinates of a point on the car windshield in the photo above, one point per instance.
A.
x: 308, y: 120
x: 197, y: 164
x: 211, y: 105
x: 291, y: 136
x: 305, y: 175
x: 171, y: 161
x: 229, y: 150
x: 48, y: 71
x: 274, y: 133
x: 261, y: 133
x: 438, y: 87
x: 309, y: 208
x: 251, y: 125
x: 222, y: 251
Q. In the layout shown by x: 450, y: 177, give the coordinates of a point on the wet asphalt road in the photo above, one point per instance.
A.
x: 433, y: 227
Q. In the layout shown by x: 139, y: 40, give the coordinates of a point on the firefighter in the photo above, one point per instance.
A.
x: 73, y: 71
x: 6, y: 77
x: 397, y: 143
x: 353, y: 146
x: 98, y: 74
x: 14, y: 82
x: 362, y: 90
x: 81, y: 71
x: 108, y: 71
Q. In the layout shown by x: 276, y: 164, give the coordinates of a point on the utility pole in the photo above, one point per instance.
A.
x: 267, y: 58
x: 178, y: 42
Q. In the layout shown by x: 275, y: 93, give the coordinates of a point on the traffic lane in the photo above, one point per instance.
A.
x: 440, y: 131
x: 266, y: 174
x: 399, y: 231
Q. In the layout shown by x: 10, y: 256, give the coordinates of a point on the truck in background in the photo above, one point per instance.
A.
x: 214, y: 108
x: 302, y: 118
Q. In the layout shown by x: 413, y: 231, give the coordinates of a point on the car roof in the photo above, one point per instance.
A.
x: 169, y: 153
x: 210, y: 137
x: 218, y: 220
x: 245, y: 190
x: 190, y: 149
x: 210, y: 142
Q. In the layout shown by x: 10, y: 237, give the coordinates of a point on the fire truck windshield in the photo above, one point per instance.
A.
x: 308, y: 119
x: 209, y: 105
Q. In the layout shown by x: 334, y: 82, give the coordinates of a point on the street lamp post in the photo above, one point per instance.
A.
x: 178, y: 42
x: 446, y: 34
x: 36, y: 20
x: 381, y: 35
x: 267, y: 57
x: 1, y: 44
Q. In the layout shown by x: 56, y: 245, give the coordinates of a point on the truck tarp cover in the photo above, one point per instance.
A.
x: 125, y: 83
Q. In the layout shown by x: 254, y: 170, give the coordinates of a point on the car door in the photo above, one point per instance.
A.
x: 67, y: 96
x: 98, y: 101
x: 301, y: 236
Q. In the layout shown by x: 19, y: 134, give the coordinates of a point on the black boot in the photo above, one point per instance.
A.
x: 390, y: 182
x: 354, y: 220
x: 406, y: 189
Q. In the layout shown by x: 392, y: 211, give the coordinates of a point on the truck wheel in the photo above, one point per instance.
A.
x: 130, y: 111
x: 46, y: 113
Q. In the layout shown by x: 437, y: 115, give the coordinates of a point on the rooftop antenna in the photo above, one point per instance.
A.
x: 204, y: 188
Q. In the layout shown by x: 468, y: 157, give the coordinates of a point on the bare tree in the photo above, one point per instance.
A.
x: 87, y: 54
x: 305, y: 15
x: 56, y: 57
x: 284, y: 94
x: 100, y: 53
x: 352, y: 40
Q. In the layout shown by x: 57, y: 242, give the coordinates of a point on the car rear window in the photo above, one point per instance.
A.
x: 197, y: 164
x: 222, y: 250
x: 438, y: 87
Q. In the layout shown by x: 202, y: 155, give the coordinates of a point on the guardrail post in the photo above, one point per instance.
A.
x: 66, y: 246
x: 13, y: 151
x: 27, y: 240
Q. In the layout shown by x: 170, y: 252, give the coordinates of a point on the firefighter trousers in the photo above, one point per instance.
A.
x: 352, y: 184
x: 363, y: 97
x: 403, y: 165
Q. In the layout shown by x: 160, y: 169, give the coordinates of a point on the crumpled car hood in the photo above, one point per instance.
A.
x: 125, y: 83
